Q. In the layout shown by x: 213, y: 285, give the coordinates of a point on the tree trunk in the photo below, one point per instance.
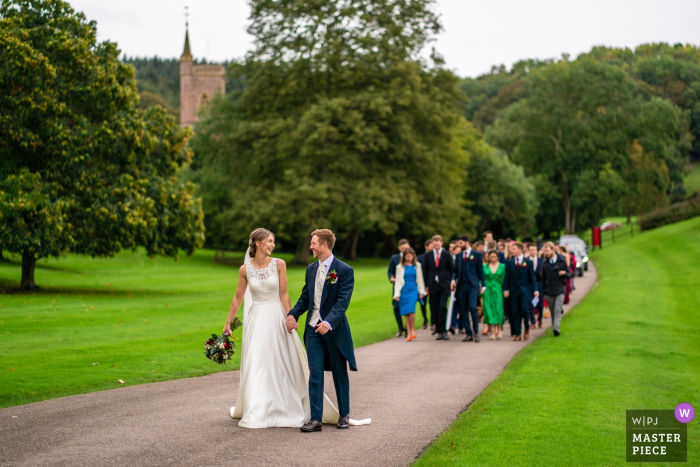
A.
x: 350, y: 250
x: 1, y: 256
x: 573, y: 221
x: 567, y: 215
x: 303, y: 251
x: 629, y: 220
x: 28, y: 264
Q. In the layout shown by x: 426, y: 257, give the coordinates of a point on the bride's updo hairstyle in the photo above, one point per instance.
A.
x: 258, y: 235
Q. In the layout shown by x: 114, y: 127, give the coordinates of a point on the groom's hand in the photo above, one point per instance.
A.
x: 323, y: 327
x: 291, y: 323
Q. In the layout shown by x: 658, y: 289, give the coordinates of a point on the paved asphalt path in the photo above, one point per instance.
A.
x: 412, y: 391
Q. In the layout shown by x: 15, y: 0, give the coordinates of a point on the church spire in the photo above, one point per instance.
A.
x: 186, y: 55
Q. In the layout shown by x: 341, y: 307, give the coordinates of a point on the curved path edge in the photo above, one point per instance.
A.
x: 412, y: 391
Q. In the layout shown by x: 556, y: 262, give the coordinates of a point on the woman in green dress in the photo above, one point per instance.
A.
x: 495, y: 273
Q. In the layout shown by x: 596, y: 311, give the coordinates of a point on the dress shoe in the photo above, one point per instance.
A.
x: 445, y: 337
x: 343, y: 423
x: 468, y: 339
x: 539, y: 324
x: 477, y: 338
x: 556, y: 333
x: 527, y: 334
x: 439, y: 337
x: 516, y: 338
x: 313, y: 425
x: 425, y: 326
x: 462, y: 331
x: 492, y: 337
x: 452, y: 331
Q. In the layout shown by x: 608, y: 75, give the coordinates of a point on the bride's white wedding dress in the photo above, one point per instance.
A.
x: 274, y: 388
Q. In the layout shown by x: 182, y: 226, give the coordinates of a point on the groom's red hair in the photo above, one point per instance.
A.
x: 325, y: 236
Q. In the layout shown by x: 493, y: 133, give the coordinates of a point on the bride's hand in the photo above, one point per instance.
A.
x: 227, y: 329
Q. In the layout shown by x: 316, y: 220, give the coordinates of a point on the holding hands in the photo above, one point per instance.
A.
x: 291, y: 323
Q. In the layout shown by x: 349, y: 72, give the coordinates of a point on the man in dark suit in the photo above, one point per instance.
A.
x: 520, y: 285
x: 424, y: 301
x: 537, y: 265
x: 468, y: 281
x: 393, y: 263
x: 438, y: 276
x: 554, y: 274
x: 326, y: 296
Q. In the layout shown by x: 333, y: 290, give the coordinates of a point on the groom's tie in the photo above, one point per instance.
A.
x: 318, y: 293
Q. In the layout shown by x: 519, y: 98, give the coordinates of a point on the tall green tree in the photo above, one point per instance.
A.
x: 339, y: 124
x: 577, y: 128
x: 82, y: 169
x: 501, y: 196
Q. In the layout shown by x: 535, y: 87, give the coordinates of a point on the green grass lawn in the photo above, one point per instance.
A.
x: 633, y: 343
x: 143, y: 320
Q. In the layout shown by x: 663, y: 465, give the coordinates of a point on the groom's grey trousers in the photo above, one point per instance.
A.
x: 318, y: 347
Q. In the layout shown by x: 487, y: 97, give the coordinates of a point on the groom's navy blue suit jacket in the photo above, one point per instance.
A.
x: 334, y: 303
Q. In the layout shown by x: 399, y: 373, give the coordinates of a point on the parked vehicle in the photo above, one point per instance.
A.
x: 610, y: 225
x: 580, y: 250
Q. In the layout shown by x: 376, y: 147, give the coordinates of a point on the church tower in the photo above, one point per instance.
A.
x: 198, y: 84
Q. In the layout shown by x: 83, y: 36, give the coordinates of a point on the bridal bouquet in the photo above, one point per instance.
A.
x: 220, y: 349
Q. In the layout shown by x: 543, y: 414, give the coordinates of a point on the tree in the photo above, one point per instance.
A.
x: 576, y: 128
x: 82, y: 169
x: 338, y: 124
x: 502, y: 196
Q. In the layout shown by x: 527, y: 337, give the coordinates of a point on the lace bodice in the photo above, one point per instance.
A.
x: 264, y: 283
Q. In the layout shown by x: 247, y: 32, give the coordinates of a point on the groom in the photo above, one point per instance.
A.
x: 326, y: 296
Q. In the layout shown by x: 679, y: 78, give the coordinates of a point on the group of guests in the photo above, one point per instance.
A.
x: 507, y: 280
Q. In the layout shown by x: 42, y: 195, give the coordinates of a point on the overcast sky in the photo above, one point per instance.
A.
x: 477, y: 35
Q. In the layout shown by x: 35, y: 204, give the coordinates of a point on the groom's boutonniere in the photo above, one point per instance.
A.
x: 524, y: 264
x: 332, y: 277
x: 471, y: 257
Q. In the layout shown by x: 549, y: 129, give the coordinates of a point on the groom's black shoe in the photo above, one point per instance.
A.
x: 313, y: 425
x: 343, y: 423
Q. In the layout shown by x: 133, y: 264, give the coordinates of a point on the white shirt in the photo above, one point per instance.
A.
x: 468, y: 252
x: 318, y: 291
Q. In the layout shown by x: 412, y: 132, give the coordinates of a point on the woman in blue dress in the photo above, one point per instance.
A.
x: 408, y: 288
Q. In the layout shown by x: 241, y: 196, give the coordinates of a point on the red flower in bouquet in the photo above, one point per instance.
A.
x: 220, y: 349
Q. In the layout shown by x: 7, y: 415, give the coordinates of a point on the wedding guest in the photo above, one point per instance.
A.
x: 438, y: 274
x: 488, y: 237
x: 456, y: 247
x: 570, y: 263
x: 395, y: 260
x: 408, y: 289
x: 468, y: 282
x: 555, y: 272
x: 519, y: 286
x: 494, y: 275
x: 424, y: 301
x: 537, y: 265
x: 492, y: 245
x: 479, y: 246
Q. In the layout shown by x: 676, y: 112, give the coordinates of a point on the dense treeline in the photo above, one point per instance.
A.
x: 335, y: 119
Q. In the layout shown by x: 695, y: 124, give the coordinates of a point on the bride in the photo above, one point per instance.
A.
x: 274, y: 370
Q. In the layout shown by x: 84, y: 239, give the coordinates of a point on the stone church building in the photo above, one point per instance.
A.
x: 198, y: 84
